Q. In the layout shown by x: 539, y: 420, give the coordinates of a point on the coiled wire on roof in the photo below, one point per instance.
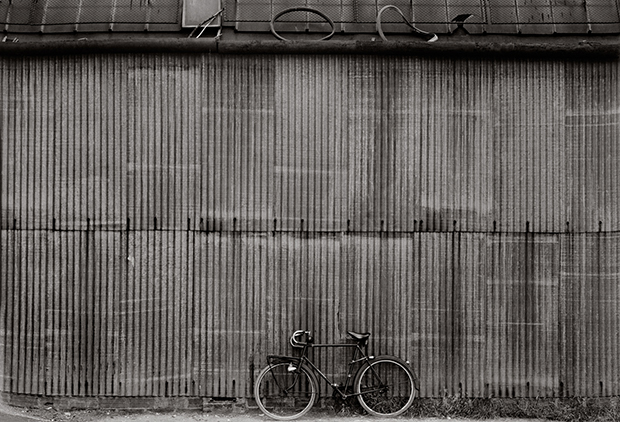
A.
x: 428, y: 36
x: 301, y: 9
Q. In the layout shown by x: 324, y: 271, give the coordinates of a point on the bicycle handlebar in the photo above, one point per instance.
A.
x: 297, y: 343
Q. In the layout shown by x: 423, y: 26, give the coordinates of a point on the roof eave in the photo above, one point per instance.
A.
x: 556, y: 48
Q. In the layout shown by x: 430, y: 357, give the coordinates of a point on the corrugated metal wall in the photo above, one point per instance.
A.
x: 168, y: 220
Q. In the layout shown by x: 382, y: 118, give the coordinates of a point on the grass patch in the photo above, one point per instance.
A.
x: 577, y: 409
x: 574, y: 409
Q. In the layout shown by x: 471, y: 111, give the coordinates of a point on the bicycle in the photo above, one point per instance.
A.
x: 287, y: 387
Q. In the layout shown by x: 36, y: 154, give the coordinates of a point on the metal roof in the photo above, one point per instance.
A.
x: 90, y: 15
x: 490, y: 16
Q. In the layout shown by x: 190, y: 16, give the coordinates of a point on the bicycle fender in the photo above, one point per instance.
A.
x: 406, y: 364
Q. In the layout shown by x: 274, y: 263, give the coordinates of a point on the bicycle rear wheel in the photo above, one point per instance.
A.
x: 285, y: 393
x: 386, y: 386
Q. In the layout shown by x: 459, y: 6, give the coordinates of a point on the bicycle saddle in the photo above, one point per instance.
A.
x: 358, y: 336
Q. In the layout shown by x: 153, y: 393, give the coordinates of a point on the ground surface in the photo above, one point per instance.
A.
x: 14, y: 414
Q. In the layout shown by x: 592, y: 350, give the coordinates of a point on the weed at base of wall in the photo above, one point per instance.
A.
x: 574, y: 409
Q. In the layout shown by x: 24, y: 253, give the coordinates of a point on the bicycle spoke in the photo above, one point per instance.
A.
x: 386, y: 387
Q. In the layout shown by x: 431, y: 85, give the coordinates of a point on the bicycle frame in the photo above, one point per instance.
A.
x: 359, y: 356
x: 289, y: 386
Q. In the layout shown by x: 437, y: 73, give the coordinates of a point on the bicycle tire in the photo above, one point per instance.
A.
x: 385, y: 386
x: 283, y: 393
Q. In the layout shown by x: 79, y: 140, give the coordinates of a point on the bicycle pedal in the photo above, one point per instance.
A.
x: 291, y: 367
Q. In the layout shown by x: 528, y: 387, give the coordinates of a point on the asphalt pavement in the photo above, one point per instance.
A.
x: 5, y: 417
x: 15, y: 415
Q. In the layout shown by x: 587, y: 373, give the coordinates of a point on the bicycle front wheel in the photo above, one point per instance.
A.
x: 285, y: 393
x: 385, y: 386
